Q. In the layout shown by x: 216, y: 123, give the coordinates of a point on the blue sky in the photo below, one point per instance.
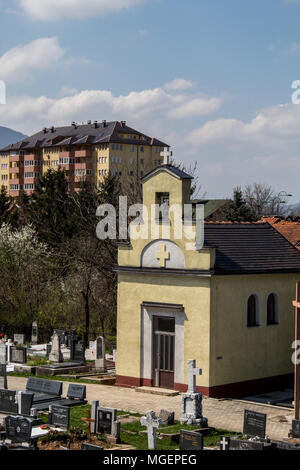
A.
x: 211, y: 77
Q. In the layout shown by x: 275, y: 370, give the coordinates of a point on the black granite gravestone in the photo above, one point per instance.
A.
x: 87, y: 446
x: 296, y: 428
x: 241, y: 444
x: 18, y: 354
x: 8, y: 402
x: 79, y: 352
x: 18, y: 429
x: 105, y: 419
x: 190, y: 440
x: 3, y: 376
x: 59, y: 416
x: 77, y: 391
x: 255, y: 424
x: 44, y: 390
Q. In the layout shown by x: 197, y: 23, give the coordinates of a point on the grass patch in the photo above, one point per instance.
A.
x: 140, y: 442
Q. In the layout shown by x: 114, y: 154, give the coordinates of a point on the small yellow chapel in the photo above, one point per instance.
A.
x: 227, y: 303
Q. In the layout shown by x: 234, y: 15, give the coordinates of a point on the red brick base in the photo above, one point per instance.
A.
x: 233, y: 390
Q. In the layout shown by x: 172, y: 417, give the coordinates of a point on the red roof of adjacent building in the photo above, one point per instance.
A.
x: 288, y: 229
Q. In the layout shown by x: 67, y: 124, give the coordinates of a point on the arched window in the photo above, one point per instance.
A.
x: 272, y: 310
x: 252, y: 311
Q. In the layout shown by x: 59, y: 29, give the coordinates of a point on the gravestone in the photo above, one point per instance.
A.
x: 59, y: 416
x: 94, y: 411
x: 9, y: 345
x: 100, y: 362
x: 48, y: 350
x: 296, y: 428
x: 18, y: 429
x: 19, y: 339
x: 224, y: 443
x: 88, y: 446
x: 56, y: 354
x: 191, y: 405
x: 2, y: 353
x: 255, y: 424
x: 61, y: 334
x: 105, y: 419
x: 79, y: 352
x: 167, y: 417
x: 242, y: 444
x: 190, y: 440
x: 18, y: 354
x: 152, y: 423
x: 34, y: 333
x: 77, y: 391
x: 8, y: 402
x: 3, y: 376
x: 24, y: 400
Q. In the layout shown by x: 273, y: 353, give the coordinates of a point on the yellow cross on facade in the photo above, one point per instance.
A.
x: 163, y: 255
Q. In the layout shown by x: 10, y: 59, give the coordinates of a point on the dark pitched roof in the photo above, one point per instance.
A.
x: 84, y: 134
x: 250, y: 249
x: 169, y: 169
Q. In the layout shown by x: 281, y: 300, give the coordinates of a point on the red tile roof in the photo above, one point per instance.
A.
x: 288, y: 229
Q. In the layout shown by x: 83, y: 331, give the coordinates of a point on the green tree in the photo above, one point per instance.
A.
x: 51, y: 210
x: 238, y: 210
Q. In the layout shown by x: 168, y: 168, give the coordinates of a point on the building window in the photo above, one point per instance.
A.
x: 272, y: 310
x: 132, y: 148
x: 142, y: 149
x: 142, y: 161
x: 252, y: 311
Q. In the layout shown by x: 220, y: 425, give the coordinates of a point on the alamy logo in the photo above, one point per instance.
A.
x: 140, y: 222
x: 2, y: 92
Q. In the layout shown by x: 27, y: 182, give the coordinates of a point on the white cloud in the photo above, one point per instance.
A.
x: 20, y: 61
x: 178, y: 84
x: 153, y: 106
x: 50, y: 10
x: 271, y: 126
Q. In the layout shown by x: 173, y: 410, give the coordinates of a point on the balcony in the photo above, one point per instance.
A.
x: 69, y: 154
x: 83, y: 166
x: 83, y: 153
x: 15, y: 170
x: 16, y: 158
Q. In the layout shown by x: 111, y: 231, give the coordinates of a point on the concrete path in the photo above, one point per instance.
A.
x: 222, y: 414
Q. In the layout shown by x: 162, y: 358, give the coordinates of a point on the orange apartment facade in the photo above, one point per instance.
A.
x: 86, y: 152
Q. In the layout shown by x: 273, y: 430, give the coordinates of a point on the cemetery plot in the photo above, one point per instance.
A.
x: 18, y: 354
x: 190, y: 440
x: 44, y: 390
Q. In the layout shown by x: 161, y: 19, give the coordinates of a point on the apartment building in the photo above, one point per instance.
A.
x: 87, y: 152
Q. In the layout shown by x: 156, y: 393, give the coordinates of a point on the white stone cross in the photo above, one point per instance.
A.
x: 224, y: 443
x: 192, y: 372
x: 166, y: 154
x: 152, y: 424
x: 162, y: 255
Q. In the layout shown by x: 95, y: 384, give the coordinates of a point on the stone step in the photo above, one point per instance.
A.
x: 157, y: 391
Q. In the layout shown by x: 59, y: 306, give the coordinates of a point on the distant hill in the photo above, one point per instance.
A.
x: 9, y: 136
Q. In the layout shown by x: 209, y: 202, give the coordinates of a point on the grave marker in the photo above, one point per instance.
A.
x: 20, y: 339
x: 56, y: 354
x: 2, y: 353
x: 18, y: 354
x: 255, y: 424
x: 152, y: 423
x: 105, y: 420
x: 296, y: 428
x: 3, y: 376
x: 18, y: 429
x: 190, y: 440
x: 34, y: 333
x: 59, y: 416
x: 191, y: 405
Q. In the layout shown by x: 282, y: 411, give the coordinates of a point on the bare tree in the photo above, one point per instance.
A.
x: 264, y: 201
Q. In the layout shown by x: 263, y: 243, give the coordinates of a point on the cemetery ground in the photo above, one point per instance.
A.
x: 133, y: 433
x: 226, y: 416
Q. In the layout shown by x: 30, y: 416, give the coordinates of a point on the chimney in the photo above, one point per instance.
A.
x: 123, y: 123
x: 89, y: 122
x: 104, y: 123
x: 95, y: 124
x: 74, y: 125
x: 52, y: 129
x: 45, y: 130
